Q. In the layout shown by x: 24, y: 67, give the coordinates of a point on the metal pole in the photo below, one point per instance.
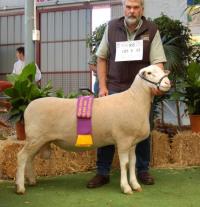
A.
x: 29, y: 25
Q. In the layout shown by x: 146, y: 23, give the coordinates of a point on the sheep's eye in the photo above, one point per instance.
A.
x: 149, y: 73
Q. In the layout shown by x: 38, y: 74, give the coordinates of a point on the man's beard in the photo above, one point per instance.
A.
x: 132, y: 20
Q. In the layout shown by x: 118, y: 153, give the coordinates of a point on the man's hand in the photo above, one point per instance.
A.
x: 103, y: 92
x: 102, y: 75
x: 155, y: 91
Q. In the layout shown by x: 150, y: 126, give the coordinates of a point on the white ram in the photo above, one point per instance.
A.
x: 121, y: 119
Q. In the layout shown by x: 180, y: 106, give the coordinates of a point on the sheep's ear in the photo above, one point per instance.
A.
x: 143, y: 74
x: 167, y: 72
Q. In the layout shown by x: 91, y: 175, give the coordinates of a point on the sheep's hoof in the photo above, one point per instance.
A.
x: 20, y: 190
x: 32, y: 183
x: 130, y: 192
x: 136, y: 186
x: 138, y: 189
x: 127, y: 190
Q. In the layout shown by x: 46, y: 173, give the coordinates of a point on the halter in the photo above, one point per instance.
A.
x: 154, y: 83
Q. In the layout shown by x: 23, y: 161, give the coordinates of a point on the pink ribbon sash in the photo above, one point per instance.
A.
x: 84, y: 119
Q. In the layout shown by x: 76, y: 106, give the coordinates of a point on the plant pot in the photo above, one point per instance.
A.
x: 20, y: 130
x: 195, y: 123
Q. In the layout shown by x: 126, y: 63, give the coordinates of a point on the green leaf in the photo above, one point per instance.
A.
x: 28, y: 72
x: 11, y: 92
x: 173, y: 55
x: 46, y: 91
x: 73, y: 94
x: 34, y: 92
x: 22, y: 108
x: 15, y: 118
x: 60, y: 93
x: 193, y: 73
x: 14, y: 112
x: 16, y: 102
x: 93, y: 40
x: 192, y: 88
x: 21, y: 87
x: 12, y: 78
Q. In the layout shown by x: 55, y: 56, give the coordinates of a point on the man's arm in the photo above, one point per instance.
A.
x: 157, y: 53
x: 102, y: 73
x: 155, y: 91
x: 38, y: 74
x: 102, y: 56
x: 93, y: 64
x: 14, y: 69
x: 160, y: 65
x: 157, y: 57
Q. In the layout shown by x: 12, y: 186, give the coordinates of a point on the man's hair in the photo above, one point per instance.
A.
x: 20, y: 50
x: 141, y: 1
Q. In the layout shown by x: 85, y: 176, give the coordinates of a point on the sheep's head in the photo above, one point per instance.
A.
x: 155, y: 77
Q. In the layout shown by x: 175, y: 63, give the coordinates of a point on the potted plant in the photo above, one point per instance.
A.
x: 188, y: 91
x: 24, y: 90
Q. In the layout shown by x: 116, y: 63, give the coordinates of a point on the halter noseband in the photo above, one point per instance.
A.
x: 154, y: 83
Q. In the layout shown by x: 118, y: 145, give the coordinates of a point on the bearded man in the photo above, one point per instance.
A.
x: 129, y: 44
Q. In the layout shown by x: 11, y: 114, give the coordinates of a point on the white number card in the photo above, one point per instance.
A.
x: 129, y: 50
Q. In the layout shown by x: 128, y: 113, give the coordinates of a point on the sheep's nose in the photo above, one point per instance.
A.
x: 167, y: 82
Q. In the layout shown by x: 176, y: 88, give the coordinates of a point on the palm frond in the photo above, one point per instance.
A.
x: 174, y: 57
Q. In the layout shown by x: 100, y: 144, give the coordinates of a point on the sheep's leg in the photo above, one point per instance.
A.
x: 45, y: 150
x: 124, y: 161
x: 26, y: 154
x: 30, y: 174
x: 21, y: 163
x: 133, y: 180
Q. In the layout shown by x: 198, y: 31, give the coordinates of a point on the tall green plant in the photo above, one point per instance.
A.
x: 94, y: 40
x: 176, y: 43
x: 188, y: 89
x: 173, y: 54
x: 176, y: 36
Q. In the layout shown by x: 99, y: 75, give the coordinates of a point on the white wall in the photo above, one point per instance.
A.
x: 174, y: 9
x: 153, y: 8
x: 9, y: 4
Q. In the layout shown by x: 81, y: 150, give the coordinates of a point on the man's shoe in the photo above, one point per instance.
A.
x: 98, y: 181
x: 145, y: 178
